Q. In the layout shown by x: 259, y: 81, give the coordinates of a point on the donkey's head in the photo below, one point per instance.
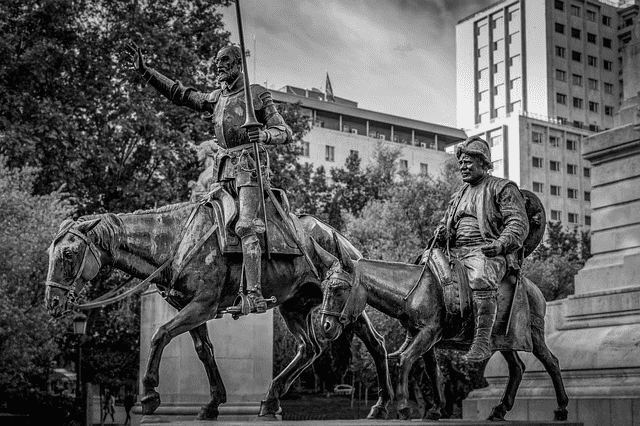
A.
x: 339, y: 306
x: 74, y: 260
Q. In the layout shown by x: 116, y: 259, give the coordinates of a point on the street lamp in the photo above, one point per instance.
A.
x: 79, y: 329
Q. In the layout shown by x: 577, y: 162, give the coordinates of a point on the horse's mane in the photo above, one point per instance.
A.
x: 163, y: 209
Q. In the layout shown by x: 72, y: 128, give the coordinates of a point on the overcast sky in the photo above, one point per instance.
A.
x: 391, y: 56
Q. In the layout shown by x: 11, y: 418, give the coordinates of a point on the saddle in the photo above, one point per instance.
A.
x: 225, y: 211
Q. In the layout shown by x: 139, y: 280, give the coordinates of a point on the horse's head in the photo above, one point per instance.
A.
x: 74, y: 260
x: 338, y: 304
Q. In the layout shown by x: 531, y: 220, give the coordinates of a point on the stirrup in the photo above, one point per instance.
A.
x: 246, y: 304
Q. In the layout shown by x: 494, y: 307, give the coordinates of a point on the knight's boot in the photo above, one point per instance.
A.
x: 407, y: 341
x: 252, y: 258
x: 485, y: 307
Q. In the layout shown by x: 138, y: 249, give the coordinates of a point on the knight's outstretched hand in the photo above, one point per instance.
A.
x: 135, y: 56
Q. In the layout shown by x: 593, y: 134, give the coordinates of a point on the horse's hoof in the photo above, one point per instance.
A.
x: 432, y: 415
x: 378, y: 412
x: 208, y: 413
x: 497, y: 415
x: 560, y: 415
x: 270, y: 410
x: 404, y: 413
x: 150, y: 402
x: 270, y: 418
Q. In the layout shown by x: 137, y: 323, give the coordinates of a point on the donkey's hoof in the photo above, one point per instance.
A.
x: 560, y: 415
x: 378, y: 412
x: 208, y: 413
x: 404, y: 413
x: 150, y: 402
x: 270, y: 410
x: 432, y: 415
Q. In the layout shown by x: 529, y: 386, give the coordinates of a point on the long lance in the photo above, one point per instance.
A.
x: 252, y: 122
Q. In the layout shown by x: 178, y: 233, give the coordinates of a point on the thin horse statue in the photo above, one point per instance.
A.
x: 350, y: 285
x: 201, y: 283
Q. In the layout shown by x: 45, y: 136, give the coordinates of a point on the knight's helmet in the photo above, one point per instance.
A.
x: 476, y: 146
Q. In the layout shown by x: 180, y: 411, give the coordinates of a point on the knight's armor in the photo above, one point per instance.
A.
x: 234, y: 165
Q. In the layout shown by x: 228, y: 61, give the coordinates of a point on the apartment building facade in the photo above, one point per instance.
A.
x: 536, y: 77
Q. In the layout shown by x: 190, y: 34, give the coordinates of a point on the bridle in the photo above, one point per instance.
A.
x: 339, y: 279
x: 89, y: 247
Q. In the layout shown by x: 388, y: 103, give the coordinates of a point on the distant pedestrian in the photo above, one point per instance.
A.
x: 129, y: 400
x: 108, y: 407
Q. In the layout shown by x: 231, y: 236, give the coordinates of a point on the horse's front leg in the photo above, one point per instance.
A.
x: 422, y: 342
x: 297, y: 318
x: 433, y: 373
x: 375, y: 345
x: 191, y: 316
x: 516, y: 372
x: 204, y: 349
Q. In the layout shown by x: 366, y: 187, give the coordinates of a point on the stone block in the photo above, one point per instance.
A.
x: 615, y: 193
x: 595, y: 411
x: 622, y: 412
x: 617, y: 216
x: 615, y: 239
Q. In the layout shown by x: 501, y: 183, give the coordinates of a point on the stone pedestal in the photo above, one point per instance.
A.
x: 244, y: 353
x: 595, y: 333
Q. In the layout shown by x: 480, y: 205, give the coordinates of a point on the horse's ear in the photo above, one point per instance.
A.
x: 326, y: 258
x: 343, y: 255
x: 88, y: 225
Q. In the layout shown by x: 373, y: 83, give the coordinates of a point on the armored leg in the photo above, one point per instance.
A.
x: 485, y: 307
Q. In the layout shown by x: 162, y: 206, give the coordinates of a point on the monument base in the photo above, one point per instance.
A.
x: 172, y: 414
x: 362, y: 422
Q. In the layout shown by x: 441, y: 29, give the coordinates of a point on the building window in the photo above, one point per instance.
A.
x: 561, y: 75
x: 572, y: 145
x: 586, y: 172
x: 607, y: 65
x: 514, y: 59
x: 536, y: 162
x: 606, y: 20
x: 559, y: 28
x: 573, y: 218
x: 496, y: 67
x: 594, y: 128
x: 606, y: 42
x: 572, y: 193
x: 578, y: 124
x: 537, y: 137
x: 577, y: 102
x: 495, y: 140
x: 496, y: 45
x: 593, y: 106
x: 554, y: 141
x: 587, y: 195
x: 575, y: 33
x: 424, y: 168
x: 575, y: 10
x: 559, y: 5
x: 572, y: 169
x: 554, y: 165
x: 555, y: 190
x: 591, y: 38
x: 562, y: 120
x: 592, y: 16
x: 592, y: 61
x: 561, y: 52
x: 593, y: 84
x: 555, y: 215
x: 587, y: 220
x: 306, y: 149
x: 513, y: 14
x: 404, y: 165
x: 481, y: 73
x: 329, y: 153
x: 608, y: 110
x: 538, y: 187
x: 561, y: 98
x: 576, y: 56
x: 608, y: 88
x: 577, y: 80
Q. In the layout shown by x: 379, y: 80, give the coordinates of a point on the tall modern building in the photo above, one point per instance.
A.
x: 339, y: 128
x: 534, y: 77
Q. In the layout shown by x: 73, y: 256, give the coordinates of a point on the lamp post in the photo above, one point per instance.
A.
x: 79, y: 329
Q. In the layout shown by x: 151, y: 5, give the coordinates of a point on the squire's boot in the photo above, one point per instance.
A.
x: 407, y: 341
x: 251, y: 260
x: 485, y: 307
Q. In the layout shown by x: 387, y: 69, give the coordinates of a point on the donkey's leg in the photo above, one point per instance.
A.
x: 297, y: 317
x: 551, y: 364
x: 375, y: 345
x: 191, y: 316
x: 516, y: 371
x: 422, y: 342
x: 433, y: 373
x: 204, y: 349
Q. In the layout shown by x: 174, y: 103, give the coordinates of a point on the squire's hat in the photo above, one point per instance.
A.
x: 474, y: 146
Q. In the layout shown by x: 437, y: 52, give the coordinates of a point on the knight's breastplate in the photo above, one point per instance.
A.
x: 228, y: 118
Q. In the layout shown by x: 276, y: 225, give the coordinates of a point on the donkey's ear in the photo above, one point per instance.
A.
x: 88, y: 225
x: 343, y: 255
x: 326, y: 258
